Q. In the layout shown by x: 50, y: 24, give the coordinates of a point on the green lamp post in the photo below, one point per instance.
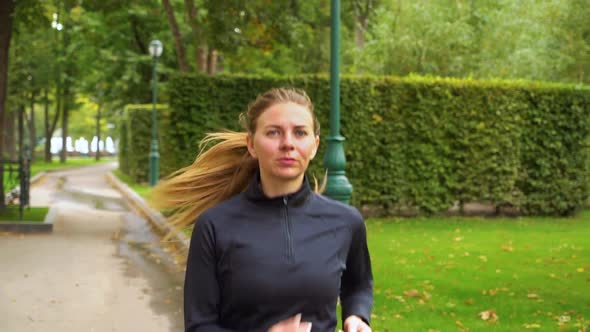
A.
x: 155, y: 49
x: 337, y: 186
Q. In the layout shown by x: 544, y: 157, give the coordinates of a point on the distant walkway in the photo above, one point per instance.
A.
x: 101, y: 269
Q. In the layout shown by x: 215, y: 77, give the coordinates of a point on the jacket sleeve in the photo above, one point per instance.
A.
x: 356, y: 293
x: 201, y: 287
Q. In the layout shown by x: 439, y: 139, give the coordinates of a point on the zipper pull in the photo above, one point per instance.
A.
x: 285, y: 200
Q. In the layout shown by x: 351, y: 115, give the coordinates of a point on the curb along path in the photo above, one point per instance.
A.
x: 180, y: 240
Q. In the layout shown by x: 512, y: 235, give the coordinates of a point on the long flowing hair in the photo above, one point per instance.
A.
x: 223, y: 167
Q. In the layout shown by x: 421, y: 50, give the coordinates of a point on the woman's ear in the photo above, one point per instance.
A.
x: 250, y: 145
x: 315, y: 149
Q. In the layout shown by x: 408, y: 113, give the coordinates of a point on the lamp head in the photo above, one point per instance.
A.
x: 156, y: 48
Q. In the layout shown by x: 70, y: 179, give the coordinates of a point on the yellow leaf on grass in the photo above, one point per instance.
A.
x: 489, y: 315
x: 483, y: 258
x: 532, y: 326
x: 581, y: 269
x: 458, y: 238
x: 412, y: 293
x: 532, y: 296
x: 508, y: 247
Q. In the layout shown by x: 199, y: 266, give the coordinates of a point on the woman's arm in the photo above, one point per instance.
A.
x: 201, y: 287
x: 356, y: 294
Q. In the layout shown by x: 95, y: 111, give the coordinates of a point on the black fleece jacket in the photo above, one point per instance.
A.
x: 254, y: 261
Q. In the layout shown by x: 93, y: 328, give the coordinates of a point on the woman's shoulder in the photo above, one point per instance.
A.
x: 330, y: 207
x: 223, y: 210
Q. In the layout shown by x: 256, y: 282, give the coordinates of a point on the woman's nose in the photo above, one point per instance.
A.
x: 287, y: 142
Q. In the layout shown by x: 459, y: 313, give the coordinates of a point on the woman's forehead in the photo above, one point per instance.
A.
x: 286, y: 114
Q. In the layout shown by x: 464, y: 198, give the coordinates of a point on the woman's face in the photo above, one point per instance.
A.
x: 284, y: 142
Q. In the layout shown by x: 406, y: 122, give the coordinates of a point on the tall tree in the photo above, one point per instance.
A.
x: 179, y: 45
x: 199, y: 44
x: 6, y: 17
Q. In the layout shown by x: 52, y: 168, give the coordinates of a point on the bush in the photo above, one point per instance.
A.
x: 135, y: 140
x: 419, y: 144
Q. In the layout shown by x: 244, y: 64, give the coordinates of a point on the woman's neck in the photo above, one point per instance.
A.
x: 273, y: 188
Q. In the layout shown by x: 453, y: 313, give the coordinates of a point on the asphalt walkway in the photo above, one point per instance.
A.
x: 102, y: 268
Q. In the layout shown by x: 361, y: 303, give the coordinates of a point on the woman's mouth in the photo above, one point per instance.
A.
x: 287, y: 161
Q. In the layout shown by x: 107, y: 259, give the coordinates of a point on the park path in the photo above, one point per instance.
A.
x: 102, y: 268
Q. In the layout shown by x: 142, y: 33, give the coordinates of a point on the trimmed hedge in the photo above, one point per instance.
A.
x: 420, y: 144
x: 135, y: 139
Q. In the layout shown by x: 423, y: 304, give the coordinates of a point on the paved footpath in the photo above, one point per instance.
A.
x: 102, y: 268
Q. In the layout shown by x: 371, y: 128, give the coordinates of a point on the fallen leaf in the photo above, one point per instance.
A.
x: 483, y: 258
x: 459, y: 324
x: 458, y: 238
x: 532, y: 296
x: 532, y: 326
x: 412, y: 293
x: 489, y: 316
x: 469, y: 301
x: 581, y: 269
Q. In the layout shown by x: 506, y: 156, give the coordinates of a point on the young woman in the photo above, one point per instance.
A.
x: 268, y: 253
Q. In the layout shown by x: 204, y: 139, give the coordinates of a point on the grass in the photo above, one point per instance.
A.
x: 436, y: 274
x: 142, y: 190
x: 32, y: 214
x: 39, y: 166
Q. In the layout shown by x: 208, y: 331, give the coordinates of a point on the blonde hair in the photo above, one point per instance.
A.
x: 223, y: 167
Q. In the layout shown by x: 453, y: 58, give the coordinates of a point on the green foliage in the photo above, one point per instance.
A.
x: 414, y: 144
x: 135, y: 147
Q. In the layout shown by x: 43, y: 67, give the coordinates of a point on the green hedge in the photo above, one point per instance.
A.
x: 135, y: 139
x: 421, y: 144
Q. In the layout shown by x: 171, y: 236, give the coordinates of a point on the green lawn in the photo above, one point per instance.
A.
x: 39, y: 166
x: 142, y: 190
x: 439, y: 274
x: 33, y: 214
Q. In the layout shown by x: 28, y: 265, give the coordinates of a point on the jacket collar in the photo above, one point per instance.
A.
x: 254, y: 193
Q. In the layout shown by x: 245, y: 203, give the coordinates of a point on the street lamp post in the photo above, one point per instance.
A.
x: 337, y: 186
x: 155, y: 51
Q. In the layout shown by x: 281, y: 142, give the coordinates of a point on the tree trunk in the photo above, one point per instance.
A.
x: 32, y: 130
x: 64, y: 124
x: 359, y: 31
x: 49, y: 133
x: 202, y: 54
x: 6, y: 12
x: 46, y: 127
x: 180, y: 51
x: 200, y: 50
x: 212, y: 65
x: 10, y: 138
x: 362, y: 12
x: 98, y: 133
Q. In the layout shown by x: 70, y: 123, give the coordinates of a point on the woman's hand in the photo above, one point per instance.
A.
x: 293, y: 324
x: 355, y: 324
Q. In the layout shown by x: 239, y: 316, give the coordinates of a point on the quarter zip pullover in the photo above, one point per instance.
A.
x: 254, y: 261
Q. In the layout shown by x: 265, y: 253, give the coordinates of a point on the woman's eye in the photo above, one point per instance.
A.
x: 301, y: 133
x: 272, y: 132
